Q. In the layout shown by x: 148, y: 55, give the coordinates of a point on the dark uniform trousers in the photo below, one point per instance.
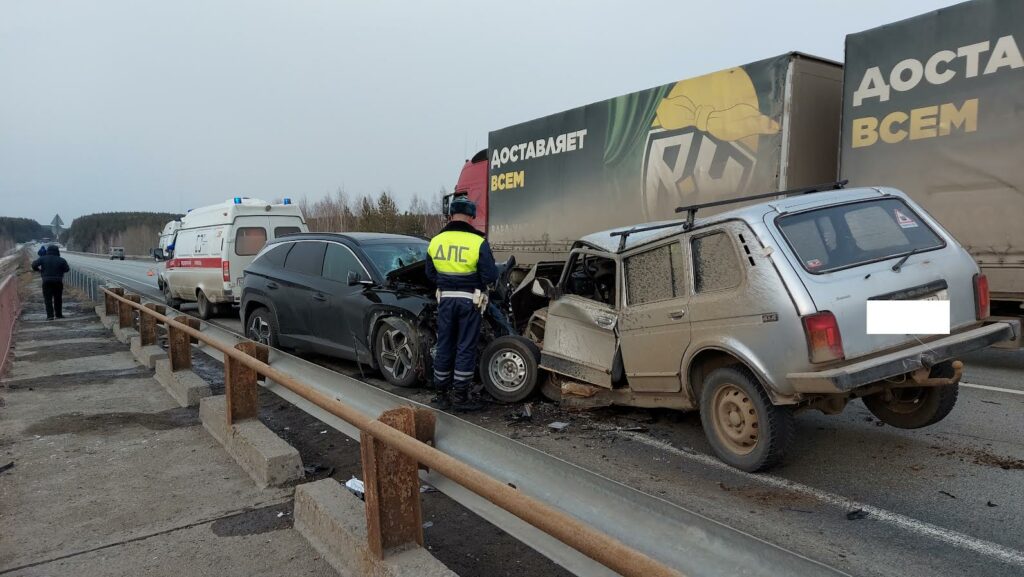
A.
x: 53, y: 298
x: 458, y: 335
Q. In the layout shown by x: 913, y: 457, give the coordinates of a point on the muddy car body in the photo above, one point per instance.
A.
x: 755, y: 312
x: 363, y: 297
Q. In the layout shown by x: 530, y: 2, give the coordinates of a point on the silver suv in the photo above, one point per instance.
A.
x: 751, y: 315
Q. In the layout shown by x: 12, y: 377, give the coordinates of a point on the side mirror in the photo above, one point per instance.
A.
x: 355, y: 278
x: 542, y: 287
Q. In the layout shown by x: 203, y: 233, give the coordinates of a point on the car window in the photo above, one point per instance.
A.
x: 715, y: 265
x: 655, y: 275
x: 306, y: 258
x: 593, y: 277
x: 249, y: 240
x: 857, y: 233
x: 276, y: 255
x: 338, y: 262
x: 394, y: 255
x: 285, y: 230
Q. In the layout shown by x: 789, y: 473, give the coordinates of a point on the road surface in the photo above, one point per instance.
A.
x: 864, y: 498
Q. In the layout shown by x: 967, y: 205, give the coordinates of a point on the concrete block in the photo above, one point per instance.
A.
x: 333, y: 520
x: 147, y: 355
x: 185, y: 386
x: 269, y: 460
x: 124, y: 335
x: 108, y: 320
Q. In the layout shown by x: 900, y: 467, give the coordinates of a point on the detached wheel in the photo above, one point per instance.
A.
x: 743, y: 426
x: 261, y: 326
x: 205, y: 306
x: 913, y: 407
x: 509, y: 368
x: 397, y: 351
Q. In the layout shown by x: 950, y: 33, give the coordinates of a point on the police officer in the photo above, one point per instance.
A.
x: 461, y: 265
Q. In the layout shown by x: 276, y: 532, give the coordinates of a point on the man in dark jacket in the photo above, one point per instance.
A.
x: 461, y: 264
x: 52, y: 266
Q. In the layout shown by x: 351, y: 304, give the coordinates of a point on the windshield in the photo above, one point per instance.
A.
x: 388, y: 256
x: 848, y: 235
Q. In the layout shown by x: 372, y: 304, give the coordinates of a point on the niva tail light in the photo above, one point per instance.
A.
x: 225, y: 268
x: 982, y: 307
x: 824, y: 343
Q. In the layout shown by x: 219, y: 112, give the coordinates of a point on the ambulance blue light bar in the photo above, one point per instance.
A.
x: 238, y: 200
x: 287, y: 200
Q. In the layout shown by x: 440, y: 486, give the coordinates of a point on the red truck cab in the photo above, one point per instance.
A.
x: 473, y: 184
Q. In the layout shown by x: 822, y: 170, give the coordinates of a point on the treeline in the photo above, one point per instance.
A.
x: 137, y: 232
x: 16, y: 230
x: 339, y: 213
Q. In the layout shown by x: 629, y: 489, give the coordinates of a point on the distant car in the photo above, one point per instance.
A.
x: 117, y: 253
x: 753, y: 314
x: 357, y: 296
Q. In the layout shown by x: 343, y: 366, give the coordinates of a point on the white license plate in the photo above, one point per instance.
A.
x: 942, y: 295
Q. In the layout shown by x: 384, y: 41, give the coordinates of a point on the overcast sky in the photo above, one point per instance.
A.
x: 164, y: 106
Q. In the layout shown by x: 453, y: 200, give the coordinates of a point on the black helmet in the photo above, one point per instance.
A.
x: 462, y: 205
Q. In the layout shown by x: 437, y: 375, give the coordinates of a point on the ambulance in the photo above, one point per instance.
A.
x: 215, y: 243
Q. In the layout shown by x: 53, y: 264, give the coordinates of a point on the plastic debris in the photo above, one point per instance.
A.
x: 427, y: 489
x: 428, y: 524
x: 521, y: 416
x: 356, y: 487
x: 558, y: 425
x: 856, y: 514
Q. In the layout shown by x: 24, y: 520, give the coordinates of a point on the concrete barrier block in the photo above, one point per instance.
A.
x: 124, y: 335
x: 108, y: 320
x: 147, y: 355
x: 269, y: 460
x: 333, y: 520
x: 185, y: 386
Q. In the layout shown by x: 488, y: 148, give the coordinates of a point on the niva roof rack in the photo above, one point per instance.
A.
x: 691, y: 211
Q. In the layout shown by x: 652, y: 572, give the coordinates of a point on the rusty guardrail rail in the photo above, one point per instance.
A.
x: 390, y: 488
x: 9, y: 307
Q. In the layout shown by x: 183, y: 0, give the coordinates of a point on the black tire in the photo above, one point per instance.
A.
x: 261, y: 326
x: 397, y: 352
x: 169, y: 300
x: 744, y: 428
x: 205, y: 306
x: 509, y: 368
x: 913, y: 407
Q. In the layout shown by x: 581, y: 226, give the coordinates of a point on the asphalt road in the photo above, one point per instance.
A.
x: 864, y: 498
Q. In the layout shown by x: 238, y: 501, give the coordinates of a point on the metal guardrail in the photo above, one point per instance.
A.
x: 9, y: 307
x: 665, y: 531
x: 90, y: 284
x: 384, y: 499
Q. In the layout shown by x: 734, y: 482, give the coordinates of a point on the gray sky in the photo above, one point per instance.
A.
x: 169, y: 105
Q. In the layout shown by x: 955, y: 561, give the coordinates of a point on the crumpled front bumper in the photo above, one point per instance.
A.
x: 848, y: 377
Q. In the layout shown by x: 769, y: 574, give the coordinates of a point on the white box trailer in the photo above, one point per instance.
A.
x: 214, y: 244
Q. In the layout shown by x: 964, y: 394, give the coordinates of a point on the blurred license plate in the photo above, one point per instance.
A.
x: 942, y: 295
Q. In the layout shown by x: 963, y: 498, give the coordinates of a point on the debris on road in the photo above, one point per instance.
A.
x: 950, y: 495
x: 428, y: 524
x: 991, y: 504
x: 856, y: 514
x: 427, y: 489
x: 356, y: 486
x: 558, y: 425
x: 7, y: 467
x: 521, y: 416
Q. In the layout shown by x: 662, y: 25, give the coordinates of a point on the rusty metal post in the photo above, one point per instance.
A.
x: 110, y: 303
x: 125, y: 313
x: 194, y: 323
x: 393, y: 516
x: 134, y: 314
x: 147, y: 326
x: 262, y: 354
x: 178, y: 348
x: 240, y: 386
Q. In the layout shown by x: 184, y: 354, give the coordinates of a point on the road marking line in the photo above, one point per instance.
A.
x: 980, y: 546
x: 996, y: 389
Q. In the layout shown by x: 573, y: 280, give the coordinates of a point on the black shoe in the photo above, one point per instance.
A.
x: 442, y: 400
x: 59, y: 316
x: 462, y: 402
x: 49, y: 318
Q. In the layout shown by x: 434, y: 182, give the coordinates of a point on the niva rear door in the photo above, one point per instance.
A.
x: 881, y: 248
